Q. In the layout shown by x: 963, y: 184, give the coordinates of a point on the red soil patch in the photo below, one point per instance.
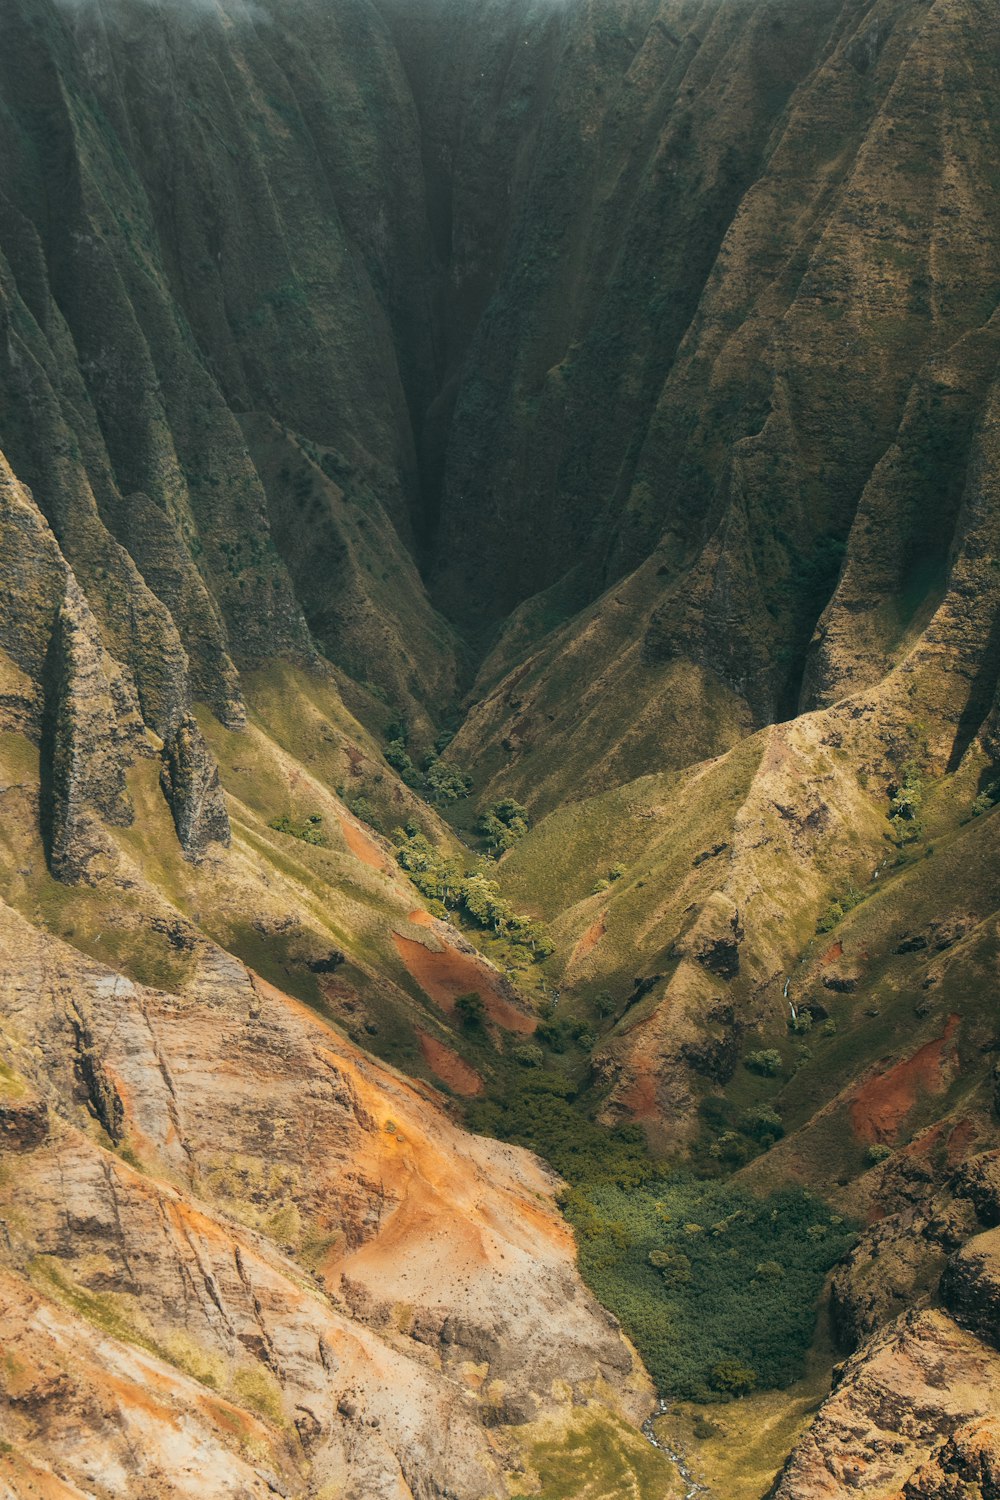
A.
x: 26, y: 1478
x: 927, y: 1141
x: 363, y: 847
x: 879, y: 1108
x: 421, y: 919
x: 446, y: 975
x: 590, y: 939
x: 638, y: 1096
x: 639, y: 1099
x: 448, y: 1066
x: 835, y: 951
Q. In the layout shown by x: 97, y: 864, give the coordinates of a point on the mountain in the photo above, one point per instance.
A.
x: 499, y: 748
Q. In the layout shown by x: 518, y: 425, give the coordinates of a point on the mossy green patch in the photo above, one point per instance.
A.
x: 594, y: 1457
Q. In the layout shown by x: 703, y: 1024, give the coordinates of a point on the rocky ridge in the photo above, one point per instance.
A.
x: 618, y: 383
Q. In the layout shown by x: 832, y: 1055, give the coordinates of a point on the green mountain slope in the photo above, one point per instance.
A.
x: 564, y: 432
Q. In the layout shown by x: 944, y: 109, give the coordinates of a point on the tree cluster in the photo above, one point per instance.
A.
x: 468, y: 892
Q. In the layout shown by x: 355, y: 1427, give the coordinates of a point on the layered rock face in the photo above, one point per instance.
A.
x: 239, y: 1254
x: 614, y: 383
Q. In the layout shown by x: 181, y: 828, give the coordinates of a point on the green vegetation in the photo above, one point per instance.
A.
x: 364, y: 810
x: 905, y: 806
x: 717, y: 1288
x: 445, y: 784
x: 440, y: 782
x: 471, y: 1011
x: 766, y: 1062
x: 598, y: 1458
x: 732, y: 1378
x: 986, y: 800
x: 542, y: 1112
x: 502, y: 824
x: 839, y: 907
x: 468, y: 893
x: 309, y: 830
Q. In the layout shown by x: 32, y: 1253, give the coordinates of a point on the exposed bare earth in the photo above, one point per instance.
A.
x: 445, y: 1063
x: 447, y: 972
x: 883, y: 1103
x: 295, y: 1241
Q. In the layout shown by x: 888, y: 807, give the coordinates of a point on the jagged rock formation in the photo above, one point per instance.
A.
x: 915, y: 1416
x: 190, y: 781
x: 615, y: 383
x: 336, y: 1285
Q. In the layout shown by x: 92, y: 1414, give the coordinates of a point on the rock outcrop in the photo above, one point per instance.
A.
x: 190, y: 781
x: 293, y: 1252
x: 913, y: 1415
x: 971, y: 1286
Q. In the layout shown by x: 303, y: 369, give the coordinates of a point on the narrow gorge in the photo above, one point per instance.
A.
x: 499, y: 749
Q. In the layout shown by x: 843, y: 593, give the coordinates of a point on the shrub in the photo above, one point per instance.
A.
x: 673, y: 1265
x: 471, y: 1011
x: 309, y: 830
x: 474, y: 895
x: 877, y: 1153
x: 398, y: 757
x: 839, y: 907
x: 905, y: 806
x: 502, y: 824
x: 732, y: 1377
x: 763, y: 1124
x: 363, y: 809
x: 731, y: 1148
x: 986, y: 800
x: 766, y: 1062
x: 446, y: 784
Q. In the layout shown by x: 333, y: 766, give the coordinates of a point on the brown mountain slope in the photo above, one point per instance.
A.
x: 339, y: 1288
x: 614, y: 381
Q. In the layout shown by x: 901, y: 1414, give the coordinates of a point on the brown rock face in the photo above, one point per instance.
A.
x: 914, y: 1414
x: 24, y: 1123
x: 294, y: 1256
x: 715, y: 940
x: 979, y: 1180
x: 190, y: 781
x: 971, y: 1286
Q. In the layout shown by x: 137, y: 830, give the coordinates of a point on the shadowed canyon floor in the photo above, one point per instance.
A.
x: 499, y: 748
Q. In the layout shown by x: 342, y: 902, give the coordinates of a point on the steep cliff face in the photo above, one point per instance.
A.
x: 335, y: 1289
x: 613, y: 383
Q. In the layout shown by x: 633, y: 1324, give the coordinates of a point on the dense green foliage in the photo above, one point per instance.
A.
x: 541, y: 1113
x: 905, y: 806
x: 309, y: 830
x: 839, y: 907
x: 766, y: 1061
x: 440, y: 782
x: 717, y: 1288
x: 502, y: 824
x: 469, y: 893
